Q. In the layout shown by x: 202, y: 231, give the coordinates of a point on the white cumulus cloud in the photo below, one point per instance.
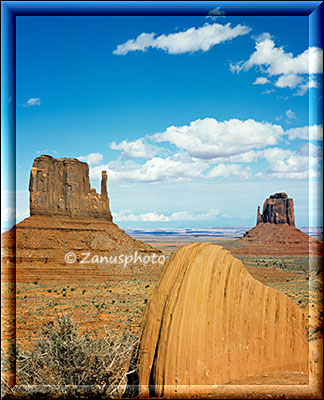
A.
x: 92, y: 158
x: 288, y: 164
x: 247, y: 157
x: 289, y: 81
x: 261, y: 81
x: 306, y: 85
x: 290, y: 69
x: 178, y: 167
x: 314, y: 132
x: 210, y: 139
x: 191, y: 40
x: 135, y: 149
x: 207, y: 149
x: 226, y: 170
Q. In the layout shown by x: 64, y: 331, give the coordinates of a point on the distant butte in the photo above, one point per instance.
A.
x: 277, y: 209
x: 275, y: 233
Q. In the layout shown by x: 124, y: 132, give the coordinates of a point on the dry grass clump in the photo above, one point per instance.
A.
x: 65, y: 363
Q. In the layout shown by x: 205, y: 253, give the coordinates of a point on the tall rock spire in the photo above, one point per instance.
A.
x: 259, y: 216
x: 104, y: 193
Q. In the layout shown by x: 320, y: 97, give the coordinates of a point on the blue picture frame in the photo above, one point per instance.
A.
x: 12, y: 9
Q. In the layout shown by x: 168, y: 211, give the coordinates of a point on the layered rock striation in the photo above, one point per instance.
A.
x: 209, y: 322
x: 61, y: 186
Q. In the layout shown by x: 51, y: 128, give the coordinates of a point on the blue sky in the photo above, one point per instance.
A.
x: 197, y: 120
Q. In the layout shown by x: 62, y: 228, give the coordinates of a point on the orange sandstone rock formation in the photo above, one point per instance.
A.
x: 275, y: 233
x: 66, y: 216
x: 209, y: 322
x: 61, y: 186
x: 277, y: 209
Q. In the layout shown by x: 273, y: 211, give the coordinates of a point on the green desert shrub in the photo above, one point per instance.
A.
x: 68, y: 361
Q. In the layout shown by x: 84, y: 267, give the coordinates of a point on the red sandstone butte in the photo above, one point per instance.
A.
x: 61, y: 186
x: 66, y: 216
x: 275, y: 233
x: 277, y: 209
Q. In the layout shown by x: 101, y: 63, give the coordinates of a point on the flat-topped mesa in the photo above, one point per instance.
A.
x: 277, y: 209
x: 61, y: 186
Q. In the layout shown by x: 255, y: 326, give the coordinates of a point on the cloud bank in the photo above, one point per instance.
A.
x: 128, y: 215
x: 208, y: 150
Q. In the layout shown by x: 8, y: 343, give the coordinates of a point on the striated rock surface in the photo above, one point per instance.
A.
x: 61, y: 186
x: 35, y: 249
x: 209, y: 322
x: 277, y: 209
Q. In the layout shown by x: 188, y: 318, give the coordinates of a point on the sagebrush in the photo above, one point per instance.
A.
x: 66, y: 360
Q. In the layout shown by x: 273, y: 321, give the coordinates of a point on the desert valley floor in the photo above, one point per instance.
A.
x: 99, y: 299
